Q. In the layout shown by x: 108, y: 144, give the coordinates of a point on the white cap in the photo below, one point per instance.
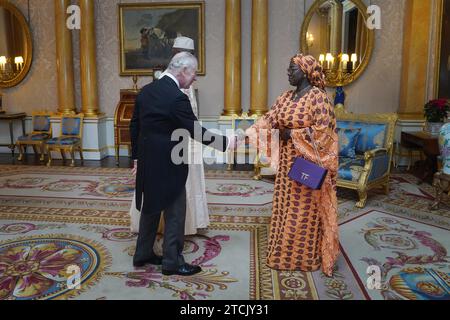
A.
x: 184, y: 43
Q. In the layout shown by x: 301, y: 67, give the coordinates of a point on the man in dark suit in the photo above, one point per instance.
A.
x: 161, y: 109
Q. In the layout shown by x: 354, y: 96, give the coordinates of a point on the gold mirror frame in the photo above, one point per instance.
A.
x: 369, y: 46
x: 28, y: 52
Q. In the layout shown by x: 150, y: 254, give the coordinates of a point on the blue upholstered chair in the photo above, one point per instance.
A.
x: 69, y: 140
x: 42, y: 131
x: 366, y: 147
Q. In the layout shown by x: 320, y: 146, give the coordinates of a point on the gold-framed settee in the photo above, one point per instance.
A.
x: 371, y: 166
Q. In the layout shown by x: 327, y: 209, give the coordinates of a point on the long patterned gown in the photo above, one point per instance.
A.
x: 304, y: 232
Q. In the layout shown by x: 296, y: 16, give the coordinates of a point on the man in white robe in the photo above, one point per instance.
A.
x: 197, y: 214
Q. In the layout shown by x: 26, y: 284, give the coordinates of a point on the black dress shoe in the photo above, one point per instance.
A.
x: 184, y: 270
x: 156, y: 260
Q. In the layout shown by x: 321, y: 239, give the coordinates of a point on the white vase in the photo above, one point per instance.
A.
x: 433, y: 127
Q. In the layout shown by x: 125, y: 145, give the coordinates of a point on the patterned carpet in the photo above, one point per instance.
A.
x: 60, y: 221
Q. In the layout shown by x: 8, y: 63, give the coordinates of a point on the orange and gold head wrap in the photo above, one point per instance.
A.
x: 312, y: 69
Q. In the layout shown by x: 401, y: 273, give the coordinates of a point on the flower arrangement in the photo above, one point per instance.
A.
x: 436, y: 110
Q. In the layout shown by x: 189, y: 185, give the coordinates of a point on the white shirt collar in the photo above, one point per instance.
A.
x: 171, y: 76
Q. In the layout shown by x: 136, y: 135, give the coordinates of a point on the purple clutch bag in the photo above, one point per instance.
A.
x: 307, y: 173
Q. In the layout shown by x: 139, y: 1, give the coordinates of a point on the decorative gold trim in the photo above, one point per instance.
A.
x: 163, y: 5
x: 28, y: 49
x: 411, y: 116
x: 438, y: 46
x: 369, y: 46
x: 363, y: 185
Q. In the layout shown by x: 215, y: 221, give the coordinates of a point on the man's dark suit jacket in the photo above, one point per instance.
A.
x: 160, y: 109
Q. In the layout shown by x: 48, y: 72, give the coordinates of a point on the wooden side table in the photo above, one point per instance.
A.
x: 10, y: 118
x: 122, y: 119
x: 429, y: 144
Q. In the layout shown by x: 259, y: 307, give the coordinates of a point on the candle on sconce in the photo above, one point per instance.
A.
x: 19, y: 63
x: 345, y: 59
x: 321, y: 59
x: 354, y: 61
x: 330, y: 59
x: 2, y: 63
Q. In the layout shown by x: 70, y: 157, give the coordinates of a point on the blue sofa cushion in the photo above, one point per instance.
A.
x: 348, y: 139
x: 34, y: 137
x: 372, y: 136
x: 350, y: 169
x: 63, y: 141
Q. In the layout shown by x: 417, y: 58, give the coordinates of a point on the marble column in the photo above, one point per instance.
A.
x: 259, y: 81
x: 89, y: 86
x: 233, y: 58
x: 64, y: 60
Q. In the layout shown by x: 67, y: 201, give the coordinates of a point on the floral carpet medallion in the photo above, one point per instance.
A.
x: 239, y: 192
x: 41, y: 267
x: 88, y: 209
x: 203, y: 250
x: 79, y: 187
x: 411, y: 257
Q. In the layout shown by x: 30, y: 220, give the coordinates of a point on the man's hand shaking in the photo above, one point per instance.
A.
x: 236, y: 139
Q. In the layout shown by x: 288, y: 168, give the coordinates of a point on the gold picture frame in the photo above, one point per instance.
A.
x: 27, y: 42
x: 368, y: 48
x: 147, y: 31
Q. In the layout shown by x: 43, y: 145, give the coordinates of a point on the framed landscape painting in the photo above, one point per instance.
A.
x: 148, y: 30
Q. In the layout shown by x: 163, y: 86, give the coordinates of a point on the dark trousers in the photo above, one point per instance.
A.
x: 174, y: 217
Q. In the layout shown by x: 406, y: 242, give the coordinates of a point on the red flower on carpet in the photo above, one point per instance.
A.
x: 26, y: 272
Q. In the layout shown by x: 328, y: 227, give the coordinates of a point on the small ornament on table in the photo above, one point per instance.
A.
x: 135, y: 81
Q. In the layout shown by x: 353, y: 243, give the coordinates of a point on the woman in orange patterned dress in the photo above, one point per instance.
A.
x: 304, y: 230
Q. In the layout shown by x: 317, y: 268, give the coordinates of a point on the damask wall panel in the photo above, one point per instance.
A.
x: 39, y: 89
x: 377, y: 89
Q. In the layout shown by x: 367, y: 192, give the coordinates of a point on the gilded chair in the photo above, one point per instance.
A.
x: 69, y: 140
x: 366, y: 143
x: 42, y: 131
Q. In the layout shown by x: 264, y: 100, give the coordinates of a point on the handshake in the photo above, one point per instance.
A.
x: 236, y: 139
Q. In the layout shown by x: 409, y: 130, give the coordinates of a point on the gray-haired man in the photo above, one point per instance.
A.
x: 161, y: 108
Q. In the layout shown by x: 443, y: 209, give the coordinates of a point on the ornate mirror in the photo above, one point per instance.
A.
x: 335, y: 33
x: 15, y: 45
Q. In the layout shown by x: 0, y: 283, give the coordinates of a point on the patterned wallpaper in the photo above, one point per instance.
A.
x: 377, y: 89
x: 39, y: 88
